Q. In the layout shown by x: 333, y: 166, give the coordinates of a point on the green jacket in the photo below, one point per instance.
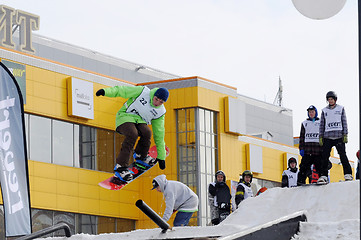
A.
x: 132, y: 92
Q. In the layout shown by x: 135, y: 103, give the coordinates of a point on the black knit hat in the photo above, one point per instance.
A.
x: 162, y: 93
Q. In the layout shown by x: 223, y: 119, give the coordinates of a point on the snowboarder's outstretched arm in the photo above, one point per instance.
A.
x: 158, y: 136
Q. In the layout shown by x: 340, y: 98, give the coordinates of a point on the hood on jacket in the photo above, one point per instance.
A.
x: 312, y: 107
x: 220, y: 172
x: 162, y: 181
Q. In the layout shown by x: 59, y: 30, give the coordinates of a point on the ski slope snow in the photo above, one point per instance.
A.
x: 333, y: 212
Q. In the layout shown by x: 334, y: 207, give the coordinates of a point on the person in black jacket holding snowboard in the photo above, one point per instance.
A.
x: 219, y: 198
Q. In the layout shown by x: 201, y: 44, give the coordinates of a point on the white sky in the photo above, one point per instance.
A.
x: 245, y: 44
x: 329, y: 210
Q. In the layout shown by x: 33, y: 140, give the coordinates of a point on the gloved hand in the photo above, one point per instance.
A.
x: 219, y: 184
x: 345, y: 139
x: 215, y: 221
x: 161, y: 163
x: 223, y: 206
x: 302, y: 152
x: 320, y: 140
x: 100, y: 92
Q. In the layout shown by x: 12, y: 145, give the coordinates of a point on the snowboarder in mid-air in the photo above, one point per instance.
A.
x: 219, y: 198
x: 143, y: 107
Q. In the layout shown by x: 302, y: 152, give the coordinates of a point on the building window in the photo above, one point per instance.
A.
x: 197, y: 146
x: 41, y: 219
x: 208, y: 159
x: 40, y: 139
x: 64, y: 217
x: 186, y: 147
x: 63, y: 143
x: 105, y: 149
x: 87, y: 147
x: 87, y: 224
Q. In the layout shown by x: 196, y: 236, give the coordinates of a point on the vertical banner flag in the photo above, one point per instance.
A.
x: 13, y: 157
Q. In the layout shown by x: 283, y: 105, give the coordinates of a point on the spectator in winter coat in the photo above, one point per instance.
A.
x: 143, y: 107
x: 178, y: 197
x: 289, y: 176
x: 219, y: 198
x: 309, y: 146
x: 244, y: 189
x: 333, y: 132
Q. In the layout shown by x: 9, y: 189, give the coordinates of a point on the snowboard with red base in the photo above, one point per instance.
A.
x: 261, y: 190
x: 137, y: 169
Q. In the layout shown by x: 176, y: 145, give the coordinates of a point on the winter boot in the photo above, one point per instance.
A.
x: 348, y: 177
x: 322, y: 180
x: 122, y: 173
x: 148, y: 161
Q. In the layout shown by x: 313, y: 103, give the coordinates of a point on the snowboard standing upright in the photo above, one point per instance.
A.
x: 223, y: 199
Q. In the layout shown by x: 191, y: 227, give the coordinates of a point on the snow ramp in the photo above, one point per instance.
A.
x: 332, y: 204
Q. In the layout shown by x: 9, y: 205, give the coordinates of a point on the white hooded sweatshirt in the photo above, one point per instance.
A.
x: 177, y: 195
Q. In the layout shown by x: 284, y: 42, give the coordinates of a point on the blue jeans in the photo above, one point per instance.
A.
x: 182, y: 218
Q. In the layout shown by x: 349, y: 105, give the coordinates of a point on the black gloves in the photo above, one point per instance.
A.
x: 161, y: 163
x: 100, y: 92
x: 219, y: 184
x: 215, y: 221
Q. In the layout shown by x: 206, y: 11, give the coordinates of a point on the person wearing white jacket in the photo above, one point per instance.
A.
x: 178, y: 197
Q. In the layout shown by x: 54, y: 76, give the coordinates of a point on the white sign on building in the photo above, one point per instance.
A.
x: 80, y: 98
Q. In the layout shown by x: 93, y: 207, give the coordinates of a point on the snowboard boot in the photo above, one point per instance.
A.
x: 348, y: 177
x: 148, y: 161
x: 322, y: 180
x: 123, y: 173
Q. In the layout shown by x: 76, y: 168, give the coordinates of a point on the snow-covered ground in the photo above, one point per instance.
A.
x: 333, y: 212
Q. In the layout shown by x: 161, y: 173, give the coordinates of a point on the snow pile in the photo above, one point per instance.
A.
x: 348, y: 229
x: 333, y: 212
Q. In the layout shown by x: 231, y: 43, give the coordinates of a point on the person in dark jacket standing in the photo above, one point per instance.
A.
x: 244, y: 189
x: 289, y: 176
x: 309, y: 145
x: 219, y: 198
x: 333, y: 132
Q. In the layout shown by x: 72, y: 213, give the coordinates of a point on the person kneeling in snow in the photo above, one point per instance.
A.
x: 178, y: 197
